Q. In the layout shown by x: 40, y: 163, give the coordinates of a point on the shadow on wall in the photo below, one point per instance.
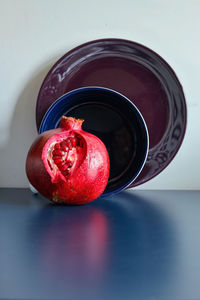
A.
x: 22, y: 131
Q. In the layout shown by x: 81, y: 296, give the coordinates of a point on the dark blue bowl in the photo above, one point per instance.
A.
x: 116, y: 121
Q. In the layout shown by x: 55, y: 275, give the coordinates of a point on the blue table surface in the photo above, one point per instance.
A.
x: 134, y: 245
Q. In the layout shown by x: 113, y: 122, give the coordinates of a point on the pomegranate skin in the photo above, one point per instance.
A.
x: 76, y: 176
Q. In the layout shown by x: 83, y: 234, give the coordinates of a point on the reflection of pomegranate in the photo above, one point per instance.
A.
x: 79, y: 247
x: 67, y: 164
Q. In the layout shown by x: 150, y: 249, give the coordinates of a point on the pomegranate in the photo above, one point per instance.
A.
x: 68, y: 165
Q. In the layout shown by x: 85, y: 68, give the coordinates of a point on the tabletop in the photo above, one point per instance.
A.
x: 134, y: 245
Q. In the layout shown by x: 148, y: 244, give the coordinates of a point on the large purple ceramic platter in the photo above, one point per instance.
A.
x: 138, y: 73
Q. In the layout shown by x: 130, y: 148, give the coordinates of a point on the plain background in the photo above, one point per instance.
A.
x: 35, y: 34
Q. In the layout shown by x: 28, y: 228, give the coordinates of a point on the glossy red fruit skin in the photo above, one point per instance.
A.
x: 85, y: 183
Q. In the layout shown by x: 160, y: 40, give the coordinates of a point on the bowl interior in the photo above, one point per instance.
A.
x: 116, y: 121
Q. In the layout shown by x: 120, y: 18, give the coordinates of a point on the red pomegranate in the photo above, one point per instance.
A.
x: 68, y: 165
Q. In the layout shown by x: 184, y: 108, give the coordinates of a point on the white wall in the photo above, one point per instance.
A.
x: 34, y: 34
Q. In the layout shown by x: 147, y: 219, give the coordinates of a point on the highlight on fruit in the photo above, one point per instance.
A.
x: 68, y: 165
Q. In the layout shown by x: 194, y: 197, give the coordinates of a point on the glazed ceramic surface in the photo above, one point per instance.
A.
x: 138, y: 73
x: 116, y: 121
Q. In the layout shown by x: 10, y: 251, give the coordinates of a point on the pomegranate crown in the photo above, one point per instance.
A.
x: 70, y: 123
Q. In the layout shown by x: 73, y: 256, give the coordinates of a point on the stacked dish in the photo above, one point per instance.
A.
x: 131, y: 99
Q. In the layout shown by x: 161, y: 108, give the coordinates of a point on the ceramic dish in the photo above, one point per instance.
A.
x: 138, y: 73
x: 116, y: 121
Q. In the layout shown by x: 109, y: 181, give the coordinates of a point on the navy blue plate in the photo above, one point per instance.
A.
x: 116, y: 121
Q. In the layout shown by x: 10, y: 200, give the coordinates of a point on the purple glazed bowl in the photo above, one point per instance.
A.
x: 138, y: 73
